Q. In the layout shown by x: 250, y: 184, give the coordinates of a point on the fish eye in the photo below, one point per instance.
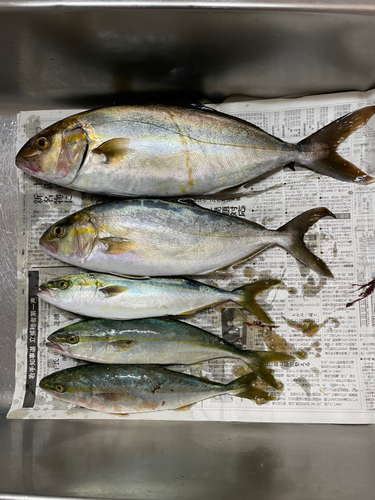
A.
x: 63, y: 284
x: 73, y: 339
x: 59, y: 388
x: 59, y: 231
x: 42, y: 142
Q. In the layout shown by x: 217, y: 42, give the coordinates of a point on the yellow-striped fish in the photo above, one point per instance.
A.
x: 140, y: 388
x: 160, y: 151
x: 113, y: 297
x: 143, y: 237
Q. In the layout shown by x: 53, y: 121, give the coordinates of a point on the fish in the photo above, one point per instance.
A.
x: 164, y: 341
x: 148, y: 237
x: 124, y: 389
x: 114, y: 297
x: 165, y: 151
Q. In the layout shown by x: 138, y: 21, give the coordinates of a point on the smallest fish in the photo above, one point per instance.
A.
x: 113, y: 297
x: 123, y: 389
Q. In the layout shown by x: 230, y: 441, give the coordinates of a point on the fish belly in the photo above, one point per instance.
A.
x: 153, y: 395
x: 139, y: 403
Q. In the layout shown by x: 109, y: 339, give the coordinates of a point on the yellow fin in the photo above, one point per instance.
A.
x: 196, y: 309
x: 113, y: 290
x: 115, y: 150
x: 184, y: 408
x: 239, y: 371
x: 247, y: 300
x: 117, y: 246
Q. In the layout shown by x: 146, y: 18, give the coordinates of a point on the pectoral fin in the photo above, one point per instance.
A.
x: 113, y: 290
x: 117, y: 246
x: 123, y: 345
x: 115, y: 150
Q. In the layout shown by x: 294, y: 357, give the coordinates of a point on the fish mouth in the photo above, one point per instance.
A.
x: 44, y: 292
x: 55, y: 346
x: 30, y: 165
x: 49, y: 247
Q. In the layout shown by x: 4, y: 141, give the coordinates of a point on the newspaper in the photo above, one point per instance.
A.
x: 332, y: 379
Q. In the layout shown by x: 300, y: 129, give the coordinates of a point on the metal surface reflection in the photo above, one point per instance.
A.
x: 161, y: 460
x: 88, y: 58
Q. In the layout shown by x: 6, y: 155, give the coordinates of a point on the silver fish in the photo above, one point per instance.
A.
x: 146, y: 237
x: 127, y: 389
x: 160, y: 151
x: 113, y: 297
x: 155, y: 341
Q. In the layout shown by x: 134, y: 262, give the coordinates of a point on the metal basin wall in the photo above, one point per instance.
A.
x: 78, y: 55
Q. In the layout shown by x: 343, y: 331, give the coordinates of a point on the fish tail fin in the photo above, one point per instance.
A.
x: 243, y: 388
x: 256, y: 360
x: 295, y: 230
x: 246, y: 298
x: 321, y: 148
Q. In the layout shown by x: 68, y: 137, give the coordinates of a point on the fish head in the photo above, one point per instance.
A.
x: 71, y: 239
x: 56, y: 153
x: 70, y: 292
x: 79, y: 340
x: 69, y: 385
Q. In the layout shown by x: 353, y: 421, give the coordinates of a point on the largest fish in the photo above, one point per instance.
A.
x: 163, y: 151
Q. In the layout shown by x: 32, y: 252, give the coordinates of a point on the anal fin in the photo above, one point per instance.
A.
x: 184, y: 408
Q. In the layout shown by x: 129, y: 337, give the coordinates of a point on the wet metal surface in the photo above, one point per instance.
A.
x: 89, y: 57
x: 160, y: 460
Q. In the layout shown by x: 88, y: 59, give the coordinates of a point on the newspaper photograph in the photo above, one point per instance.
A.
x: 316, y: 319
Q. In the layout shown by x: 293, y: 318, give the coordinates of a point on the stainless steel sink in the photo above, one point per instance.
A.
x: 84, y: 54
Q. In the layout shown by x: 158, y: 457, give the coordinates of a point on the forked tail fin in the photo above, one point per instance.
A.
x: 294, y: 232
x: 246, y: 298
x: 256, y: 360
x: 320, y: 148
x: 243, y: 388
